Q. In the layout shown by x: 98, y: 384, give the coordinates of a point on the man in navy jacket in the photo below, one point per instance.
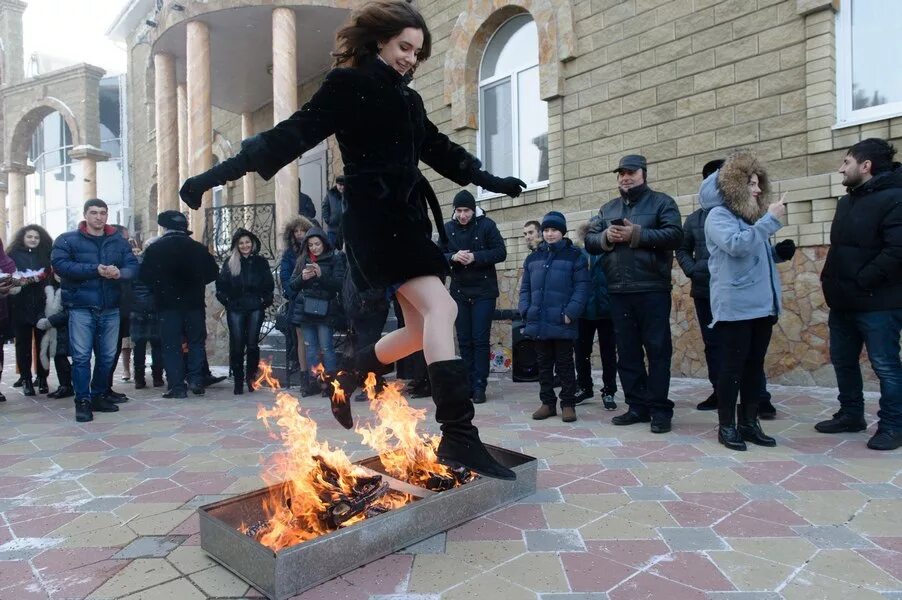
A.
x: 90, y: 262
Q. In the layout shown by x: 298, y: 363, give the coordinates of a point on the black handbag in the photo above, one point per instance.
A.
x: 283, y: 318
x: 316, y: 307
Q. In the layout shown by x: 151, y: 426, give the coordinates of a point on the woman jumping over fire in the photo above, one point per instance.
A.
x: 383, y: 133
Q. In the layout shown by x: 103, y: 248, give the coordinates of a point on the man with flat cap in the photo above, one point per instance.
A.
x: 177, y: 269
x: 636, y: 234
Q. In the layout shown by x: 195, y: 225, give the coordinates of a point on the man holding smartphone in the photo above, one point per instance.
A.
x: 636, y: 234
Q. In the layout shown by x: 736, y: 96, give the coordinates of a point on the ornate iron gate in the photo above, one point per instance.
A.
x: 222, y: 221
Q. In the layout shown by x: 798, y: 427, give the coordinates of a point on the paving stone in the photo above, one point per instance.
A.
x: 650, y: 492
x: 833, y: 537
x: 815, y: 459
x: 602, y: 442
x: 743, y: 596
x: 151, y: 546
x: 622, y: 463
x: 431, y: 545
x: 160, y: 472
x: 103, y: 504
x: 203, y: 450
x: 543, y: 496
x: 245, y: 471
x: 765, y: 491
x: 26, y: 548
x: 554, y: 540
x: 691, y: 539
x: 203, y: 499
x: 575, y: 596
x: 717, y: 462
x: 878, y: 490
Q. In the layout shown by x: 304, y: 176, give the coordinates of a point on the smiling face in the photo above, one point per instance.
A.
x: 463, y: 214
x: 315, y: 246
x: 552, y: 235
x: 32, y: 239
x: 245, y: 245
x: 402, y: 51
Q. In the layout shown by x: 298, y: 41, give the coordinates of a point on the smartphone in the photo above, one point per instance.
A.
x: 618, y: 222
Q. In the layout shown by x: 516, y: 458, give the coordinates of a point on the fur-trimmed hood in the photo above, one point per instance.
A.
x: 288, y: 231
x: 728, y: 186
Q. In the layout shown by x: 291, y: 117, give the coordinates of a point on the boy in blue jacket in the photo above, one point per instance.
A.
x: 553, y: 296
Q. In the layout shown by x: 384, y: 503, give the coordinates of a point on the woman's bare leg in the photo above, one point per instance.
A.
x: 302, y: 351
x: 432, y: 311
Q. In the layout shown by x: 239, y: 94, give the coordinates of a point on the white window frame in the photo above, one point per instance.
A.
x: 484, y: 84
x: 845, y: 115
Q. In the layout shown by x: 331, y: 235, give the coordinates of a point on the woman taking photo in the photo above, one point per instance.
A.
x: 245, y: 288
x: 30, y: 250
x: 383, y: 132
x: 293, y: 239
x: 745, y: 288
x: 317, y: 280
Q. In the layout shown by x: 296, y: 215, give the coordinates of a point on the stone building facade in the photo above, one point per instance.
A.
x: 680, y: 81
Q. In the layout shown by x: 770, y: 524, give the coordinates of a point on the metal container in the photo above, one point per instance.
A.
x: 292, y: 570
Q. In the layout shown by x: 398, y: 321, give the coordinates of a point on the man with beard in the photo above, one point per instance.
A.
x: 862, y: 281
x: 636, y: 234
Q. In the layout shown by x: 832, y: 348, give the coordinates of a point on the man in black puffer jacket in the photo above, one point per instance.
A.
x: 474, y: 247
x: 862, y: 281
x: 636, y: 233
x: 332, y: 209
x: 178, y: 269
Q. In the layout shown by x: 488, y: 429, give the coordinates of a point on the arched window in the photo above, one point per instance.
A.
x: 513, y: 119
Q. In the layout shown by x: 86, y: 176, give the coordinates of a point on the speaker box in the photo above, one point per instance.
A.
x: 524, y: 360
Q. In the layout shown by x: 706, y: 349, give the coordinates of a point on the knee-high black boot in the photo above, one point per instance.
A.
x: 460, y: 443
x: 351, y: 378
x: 237, y: 365
x: 253, y: 364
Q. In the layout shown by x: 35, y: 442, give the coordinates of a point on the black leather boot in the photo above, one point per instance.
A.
x: 729, y: 437
x: 363, y: 363
x: 63, y: 391
x: 140, y: 380
x: 454, y: 410
x: 253, y: 365
x: 237, y: 365
x: 750, y: 428
x: 41, y: 384
x: 27, y: 386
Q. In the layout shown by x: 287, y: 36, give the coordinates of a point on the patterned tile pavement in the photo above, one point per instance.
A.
x: 106, y: 510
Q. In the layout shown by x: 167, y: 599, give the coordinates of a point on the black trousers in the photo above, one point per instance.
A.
x: 744, y: 346
x: 607, y: 348
x: 63, y: 369
x: 556, y: 357
x: 244, y: 341
x: 713, y: 351
x: 139, y: 357
x: 176, y: 325
x: 642, y: 329
x: 25, y: 333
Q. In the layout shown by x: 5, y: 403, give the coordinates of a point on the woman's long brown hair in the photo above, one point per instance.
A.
x: 375, y: 22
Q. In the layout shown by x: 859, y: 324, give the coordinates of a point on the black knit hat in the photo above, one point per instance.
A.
x: 465, y: 199
x: 554, y: 220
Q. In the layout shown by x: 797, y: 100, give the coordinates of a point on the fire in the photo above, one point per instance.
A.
x: 405, y: 454
x: 316, y: 488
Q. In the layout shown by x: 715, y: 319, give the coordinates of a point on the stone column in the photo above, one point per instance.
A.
x: 89, y: 156
x: 16, y: 174
x: 182, y: 101
x: 166, y: 122
x: 285, y: 101
x: 200, y: 113
x: 3, y: 214
x: 250, y: 184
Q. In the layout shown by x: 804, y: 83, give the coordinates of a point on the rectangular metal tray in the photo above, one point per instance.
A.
x: 290, y: 571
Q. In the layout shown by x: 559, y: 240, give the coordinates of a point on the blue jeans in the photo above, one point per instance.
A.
x: 318, y: 337
x: 642, y: 330
x: 473, y: 325
x: 92, y: 331
x: 878, y: 331
x: 176, y: 325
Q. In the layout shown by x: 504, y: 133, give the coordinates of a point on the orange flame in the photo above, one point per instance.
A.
x: 405, y: 454
x: 265, y: 377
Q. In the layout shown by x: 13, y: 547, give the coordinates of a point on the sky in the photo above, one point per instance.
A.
x: 74, y: 30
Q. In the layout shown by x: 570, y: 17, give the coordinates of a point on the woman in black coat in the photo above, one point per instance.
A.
x: 30, y: 250
x: 245, y: 287
x: 318, y: 279
x: 383, y: 133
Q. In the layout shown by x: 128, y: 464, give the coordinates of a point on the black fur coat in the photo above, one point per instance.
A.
x: 383, y: 133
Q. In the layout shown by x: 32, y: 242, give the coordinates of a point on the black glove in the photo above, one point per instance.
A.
x: 509, y: 186
x: 785, y: 249
x: 193, y: 189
